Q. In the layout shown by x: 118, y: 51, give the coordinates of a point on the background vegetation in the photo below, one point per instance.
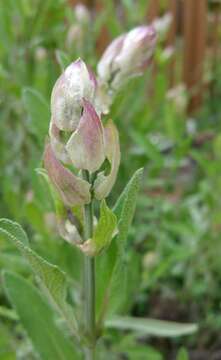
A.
x: 174, y: 245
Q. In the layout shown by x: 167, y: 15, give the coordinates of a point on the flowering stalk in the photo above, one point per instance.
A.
x: 82, y: 155
x: 89, y: 281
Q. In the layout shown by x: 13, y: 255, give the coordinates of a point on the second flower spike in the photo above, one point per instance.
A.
x: 128, y: 55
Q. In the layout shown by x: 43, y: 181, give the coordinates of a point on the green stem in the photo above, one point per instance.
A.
x: 89, y: 282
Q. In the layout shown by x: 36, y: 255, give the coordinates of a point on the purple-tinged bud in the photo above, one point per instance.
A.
x: 92, y: 77
x: 72, y: 189
x: 127, y: 56
x: 86, y: 145
x: 106, y: 64
x: 136, y: 53
x: 74, y: 84
x: 103, y: 184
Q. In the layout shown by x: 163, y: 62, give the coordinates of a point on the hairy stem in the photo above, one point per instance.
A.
x: 89, y: 281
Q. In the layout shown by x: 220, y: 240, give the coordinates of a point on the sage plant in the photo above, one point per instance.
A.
x: 81, y: 161
x: 81, y: 149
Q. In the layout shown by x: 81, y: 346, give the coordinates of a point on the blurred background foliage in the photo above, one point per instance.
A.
x: 174, y: 245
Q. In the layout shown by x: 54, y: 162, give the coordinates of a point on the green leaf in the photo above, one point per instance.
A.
x: 7, y: 313
x: 63, y: 59
x: 51, y: 278
x: 126, y: 205
x: 15, y: 230
x: 133, y: 349
x: 149, y: 149
x: 151, y: 326
x: 124, y: 209
x: 8, y: 355
x: 37, y: 318
x: 111, y: 272
x: 105, y: 265
x: 13, y: 262
x: 6, y: 32
x: 182, y: 354
x: 7, y: 351
x: 38, y: 111
x: 104, y: 230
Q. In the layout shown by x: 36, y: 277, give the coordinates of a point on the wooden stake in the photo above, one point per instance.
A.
x: 171, y: 41
x: 152, y: 10
x: 195, y: 30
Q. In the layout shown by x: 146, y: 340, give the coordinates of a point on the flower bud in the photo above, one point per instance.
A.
x: 74, y: 84
x: 72, y: 189
x: 40, y: 54
x: 86, y: 145
x: 177, y: 97
x: 75, y: 37
x: 165, y: 55
x: 127, y: 56
x: 106, y: 64
x: 104, y: 183
x: 82, y: 14
x: 162, y: 24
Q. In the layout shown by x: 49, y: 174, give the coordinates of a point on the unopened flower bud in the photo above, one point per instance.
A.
x: 106, y: 64
x: 40, y: 54
x: 178, y: 98
x: 162, y: 24
x: 82, y: 14
x: 165, y: 55
x: 72, y: 189
x: 74, y: 84
x: 86, y: 145
x: 127, y: 56
x: 75, y: 36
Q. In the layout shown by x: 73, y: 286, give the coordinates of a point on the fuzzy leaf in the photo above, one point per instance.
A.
x: 38, y: 320
x: 110, y: 267
x: 103, y: 232
x: 125, y: 207
x: 15, y: 229
x: 105, y: 228
x: 51, y: 278
x: 151, y: 326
